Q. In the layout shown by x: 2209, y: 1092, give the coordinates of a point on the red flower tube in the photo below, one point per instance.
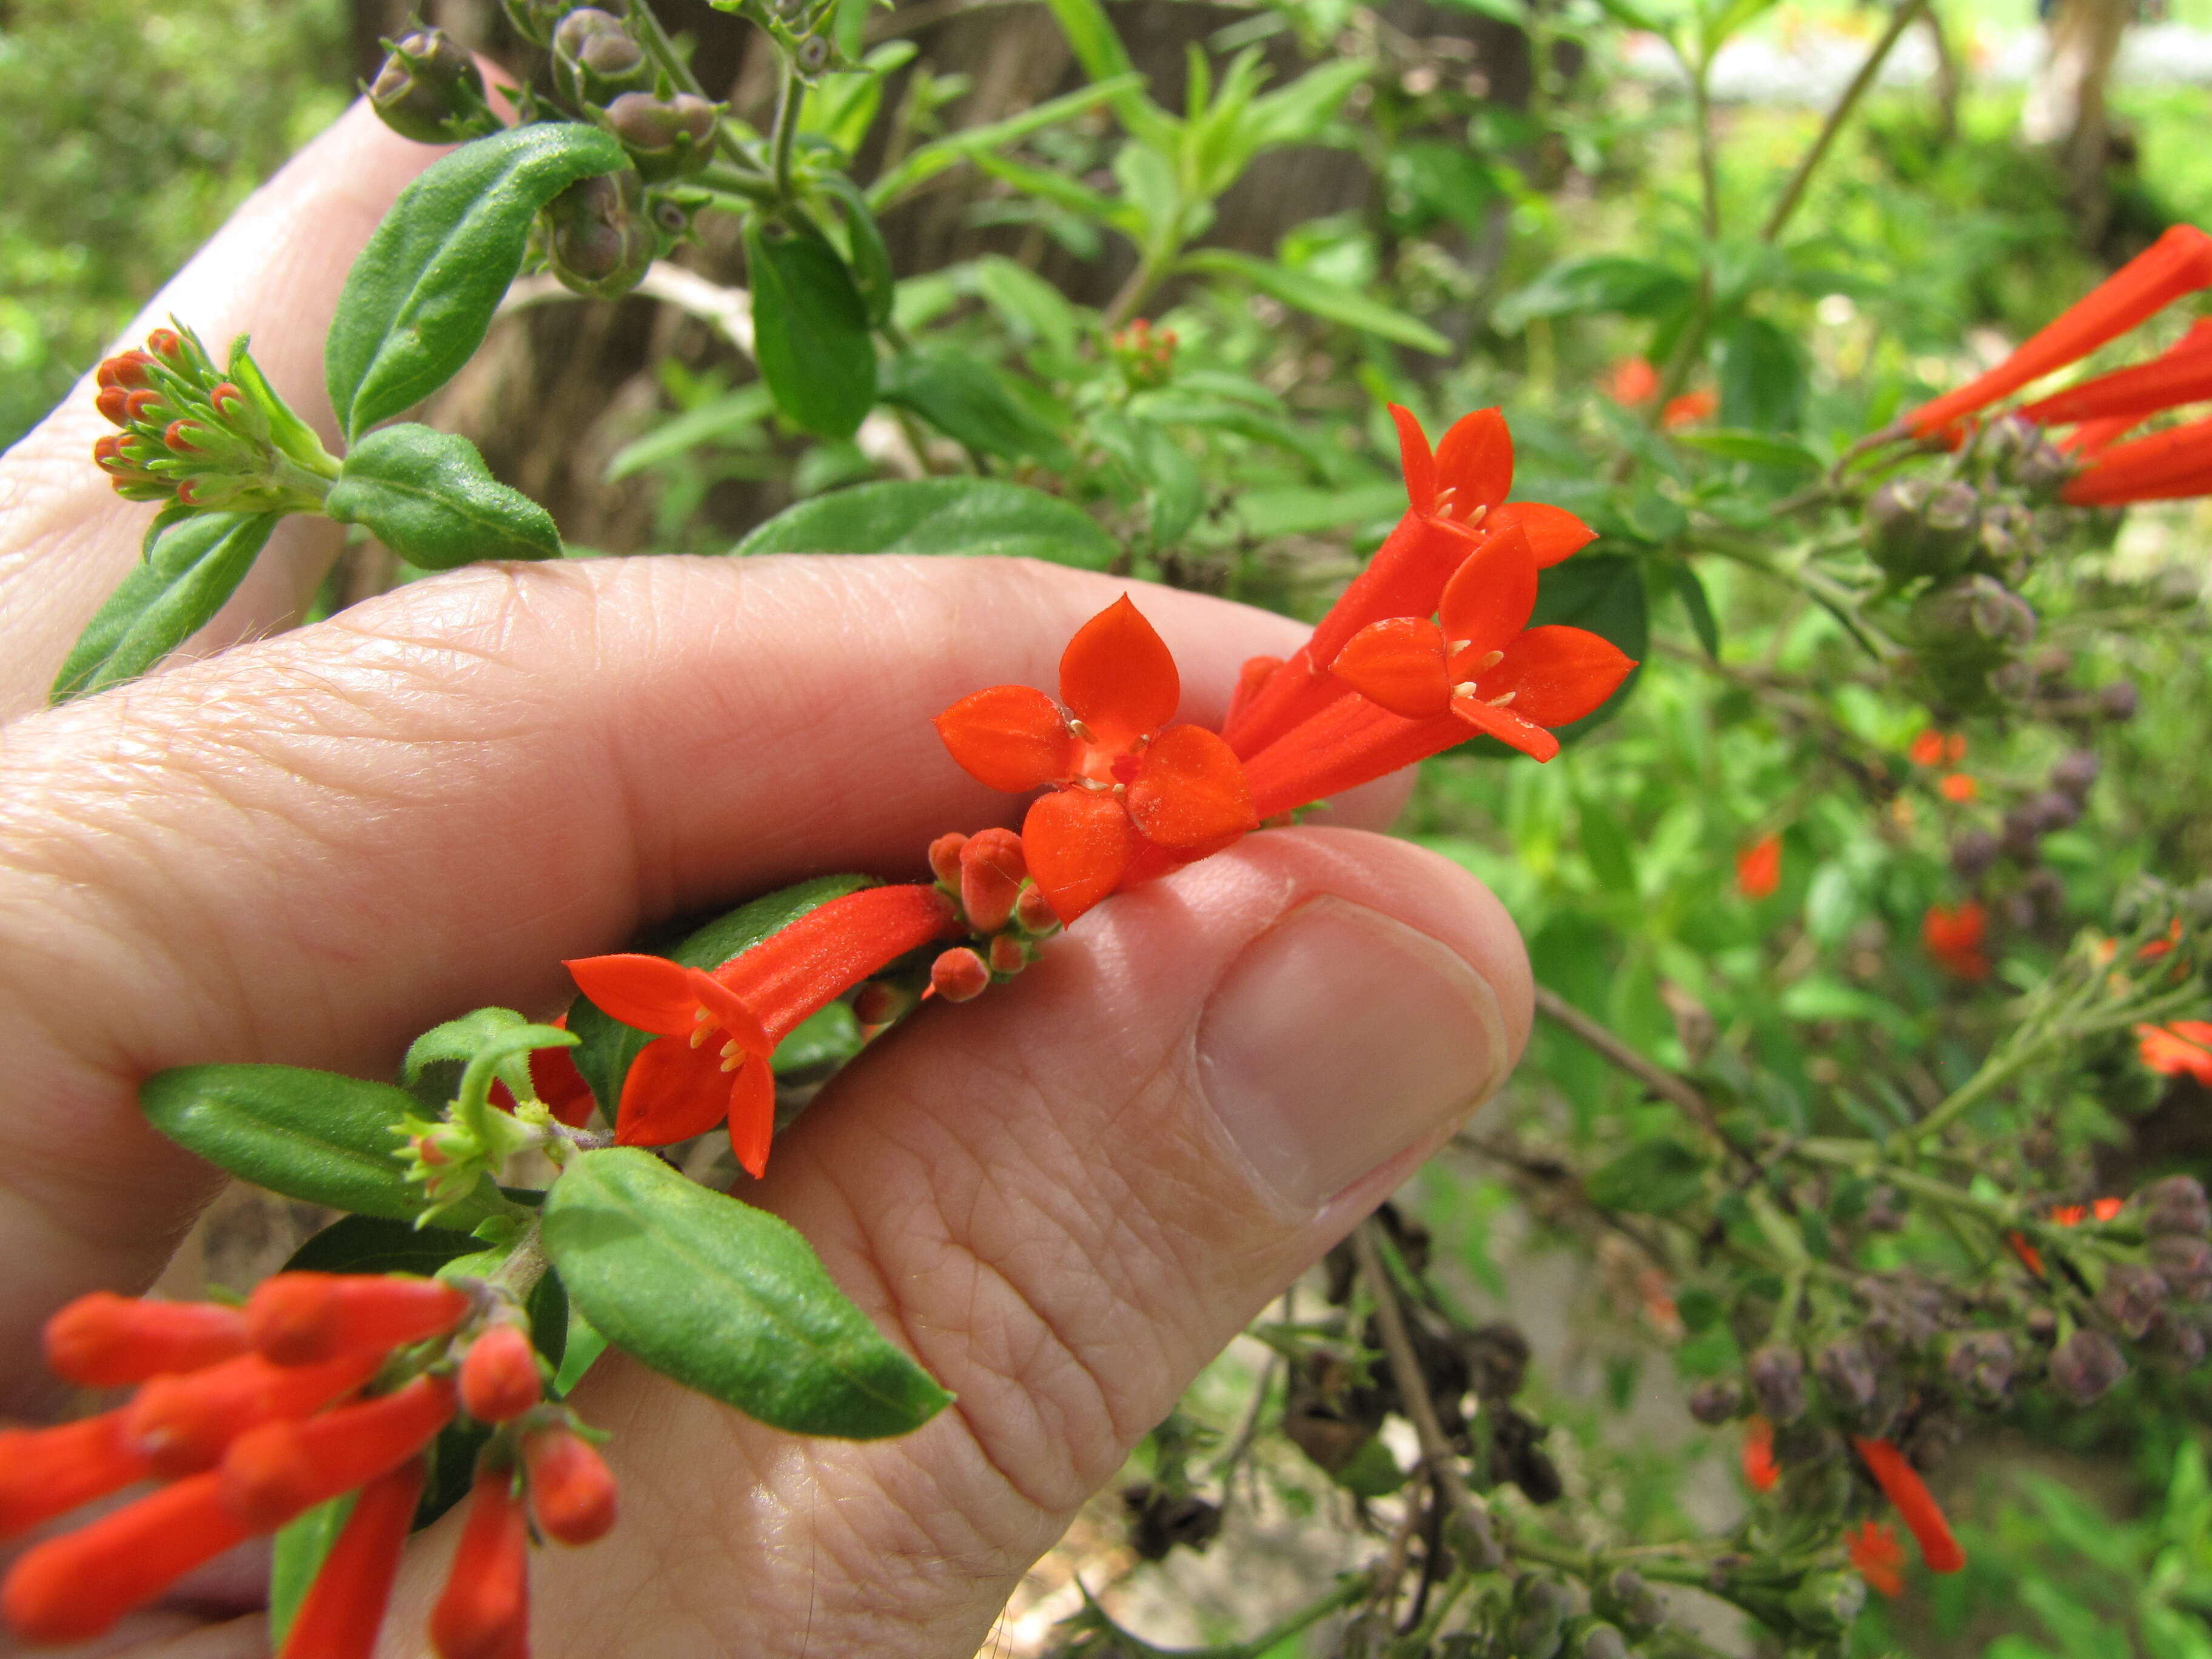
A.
x: 484, y: 1609
x: 498, y: 1375
x: 1903, y: 1486
x: 2164, y: 467
x: 1758, y: 1466
x: 74, y: 1588
x: 182, y: 1425
x: 572, y: 1491
x: 2178, y: 263
x: 299, y: 1318
x: 44, y: 1472
x: 104, y: 1340
x: 1758, y: 868
x: 2180, y: 374
x: 279, y: 1470
x: 344, y: 1607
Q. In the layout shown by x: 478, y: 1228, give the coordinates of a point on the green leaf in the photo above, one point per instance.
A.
x: 1635, y: 288
x: 300, y: 1547
x: 725, y: 1299
x: 932, y: 158
x: 1331, y: 301
x: 429, y: 497
x: 1653, y: 1178
x: 976, y: 516
x: 1099, y: 50
x: 378, y: 1244
x: 316, y: 1136
x: 1762, y: 377
x: 1077, y: 197
x: 960, y: 395
x: 502, y: 1038
x: 872, y: 271
x: 1029, y: 305
x: 421, y: 296
x: 607, y: 1047
x: 1297, y: 113
x: 810, y: 333
x: 1605, y: 844
x: 1759, y: 449
x: 193, y: 565
x: 1699, y: 608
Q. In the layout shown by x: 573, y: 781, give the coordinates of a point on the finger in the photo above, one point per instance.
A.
x: 313, y: 848
x: 273, y: 271
x: 1065, y: 1199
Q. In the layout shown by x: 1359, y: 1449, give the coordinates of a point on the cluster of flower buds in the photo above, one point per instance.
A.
x: 244, y: 1419
x: 1145, y: 355
x: 1968, y: 638
x: 205, y: 437
x: 1006, y: 913
x: 2134, y: 1277
x: 429, y: 89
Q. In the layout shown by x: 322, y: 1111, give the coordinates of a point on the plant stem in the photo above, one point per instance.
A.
x: 1414, y: 1390
x: 1652, y: 1075
x: 1793, y: 193
x: 1133, y: 293
x: 789, y: 94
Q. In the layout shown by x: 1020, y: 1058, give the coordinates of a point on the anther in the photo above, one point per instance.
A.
x: 1500, y: 703
x: 1083, y: 734
x: 1464, y: 688
x: 1491, y: 660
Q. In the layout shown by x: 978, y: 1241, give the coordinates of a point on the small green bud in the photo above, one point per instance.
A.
x: 666, y: 137
x: 598, y: 242
x: 535, y: 20
x: 596, y: 59
x: 1826, y: 1603
x: 430, y: 90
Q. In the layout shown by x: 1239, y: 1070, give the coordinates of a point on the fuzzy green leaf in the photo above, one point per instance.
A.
x: 810, y: 333
x: 939, y: 515
x: 190, y: 569
x: 429, y: 497
x: 1331, y: 301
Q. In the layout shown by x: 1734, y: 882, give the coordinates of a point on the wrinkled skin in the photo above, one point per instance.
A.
x: 1063, y: 1198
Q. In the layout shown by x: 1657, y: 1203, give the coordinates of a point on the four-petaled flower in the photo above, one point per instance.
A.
x: 1126, y: 786
x: 1879, y: 1558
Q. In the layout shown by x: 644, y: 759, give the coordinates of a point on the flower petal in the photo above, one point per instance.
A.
x: 2180, y: 374
x: 1117, y: 677
x: 1192, y: 791
x: 1012, y: 738
x: 1558, y: 674
x: 1475, y: 462
x: 650, y: 993
x: 1915, y: 1506
x: 730, y: 1013
x: 752, y: 1115
x: 1414, y: 459
x: 673, y: 1092
x: 1079, y: 843
x: 1251, y: 680
x: 1508, y: 727
x: 553, y: 1073
x: 1554, y: 533
x: 1489, y: 600
x: 1399, y: 664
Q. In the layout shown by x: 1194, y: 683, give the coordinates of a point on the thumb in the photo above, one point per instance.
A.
x: 1065, y: 1199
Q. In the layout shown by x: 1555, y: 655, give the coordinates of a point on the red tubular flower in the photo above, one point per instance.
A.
x: 1456, y: 497
x: 344, y: 1608
x: 485, y: 1607
x: 44, y: 1472
x: 1759, y: 1466
x: 683, y: 1085
x: 1758, y: 868
x: 1122, y: 778
x: 279, y: 1470
x: 1879, y: 1558
x: 1903, y: 1486
x: 2167, y: 465
x: 498, y: 1375
x: 2030, y: 1257
x: 1954, y: 937
x: 2178, y: 263
x: 74, y: 1588
x: 299, y: 1318
x: 2184, y: 1045
x: 572, y: 1491
x: 2180, y: 374
x: 104, y: 1340
x: 182, y: 1425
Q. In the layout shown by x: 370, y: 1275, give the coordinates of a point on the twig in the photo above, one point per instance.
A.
x: 1653, y: 1076
x: 1414, y: 1390
x: 1794, y: 192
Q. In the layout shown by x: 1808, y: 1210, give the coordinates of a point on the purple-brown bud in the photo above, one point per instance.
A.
x: 596, y: 59
x: 2117, y: 701
x: 1980, y: 1365
x: 1716, y: 1400
x: 2086, y: 1365
x: 665, y: 136
x: 1777, y: 1375
x: 2184, y: 1263
x: 430, y: 90
x: 1846, y: 1371
x: 600, y: 242
x: 2131, y: 1296
x: 2175, y: 1204
x: 2076, y: 771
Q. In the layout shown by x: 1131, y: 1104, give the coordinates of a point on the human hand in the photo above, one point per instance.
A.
x: 1062, y: 1199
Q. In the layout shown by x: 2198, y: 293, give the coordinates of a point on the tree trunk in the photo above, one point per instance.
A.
x: 2065, y: 106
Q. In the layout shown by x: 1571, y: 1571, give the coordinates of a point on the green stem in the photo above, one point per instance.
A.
x: 1793, y: 193
x: 790, y: 93
x: 1151, y: 268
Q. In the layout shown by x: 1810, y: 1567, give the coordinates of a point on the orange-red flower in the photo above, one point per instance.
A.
x: 1923, y: 1518
x: 344, y: 1608
x: 1758, y: 867
x: 1759, y: 1466
x: 1953, y: 936
x: 1934, y: 748
x: 1122, y: 780
x: 2167, y: 465
x: 718, y: 1032
x: 1689, y: 409
x: 2178, y: 263
x: 1879, y: 1558
x: 1958, y: 786
x: 1630, y: 381
x: 2184, y: 1045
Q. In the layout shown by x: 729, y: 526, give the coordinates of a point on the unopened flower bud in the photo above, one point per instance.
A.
x: 1825, y: 1604
x: 596, y: 59
x: 484, y: 1608
x: 44, y: 1472
x: 879, y: 1002
x: 1777, y: 1374
x: 665, y: 136
x: 944, y: 858
x: 281, y: 1470
x: 125, y: 371
x: 2179, y: 1343
x: 144, y: 407
x: 340, y: 1616
x: 1980, y: 1365
x: 959, y: 974
x: 1542, y: 1609
x: 1626, y: 1596
x: 2055, y: 809
x: 498, y: 1375
x: 76, y: 1586
x: 178, y: 435
x: 2131, y: 1296
x: 1973, y: 852
x: 1846, y: 1371
x: 992, y: 872
x: 2074, y: 772
x: 535, y: 20
x: 2175, y: 1204
x: 2117, y: 701
x: 2086, y: 1365
x: 182, y: 1425
x: 2184, y: 1263
x: 165, y: 343
x: 104, y: 1340
x: 1715, y: 1401
x: 1914, y: 529
x: 572, y: 1491
x: 1601, y: 1641
x: 2045, y: 889
x: 114, y: 404
x: 599, y: 242
x: 430, y: 90
x: 813, y: 53
x: 298, y: 1318
x: 1008, y: 956
x: 1033, y: 912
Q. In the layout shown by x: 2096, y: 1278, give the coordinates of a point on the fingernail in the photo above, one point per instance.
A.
x: 1340, y: 1037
